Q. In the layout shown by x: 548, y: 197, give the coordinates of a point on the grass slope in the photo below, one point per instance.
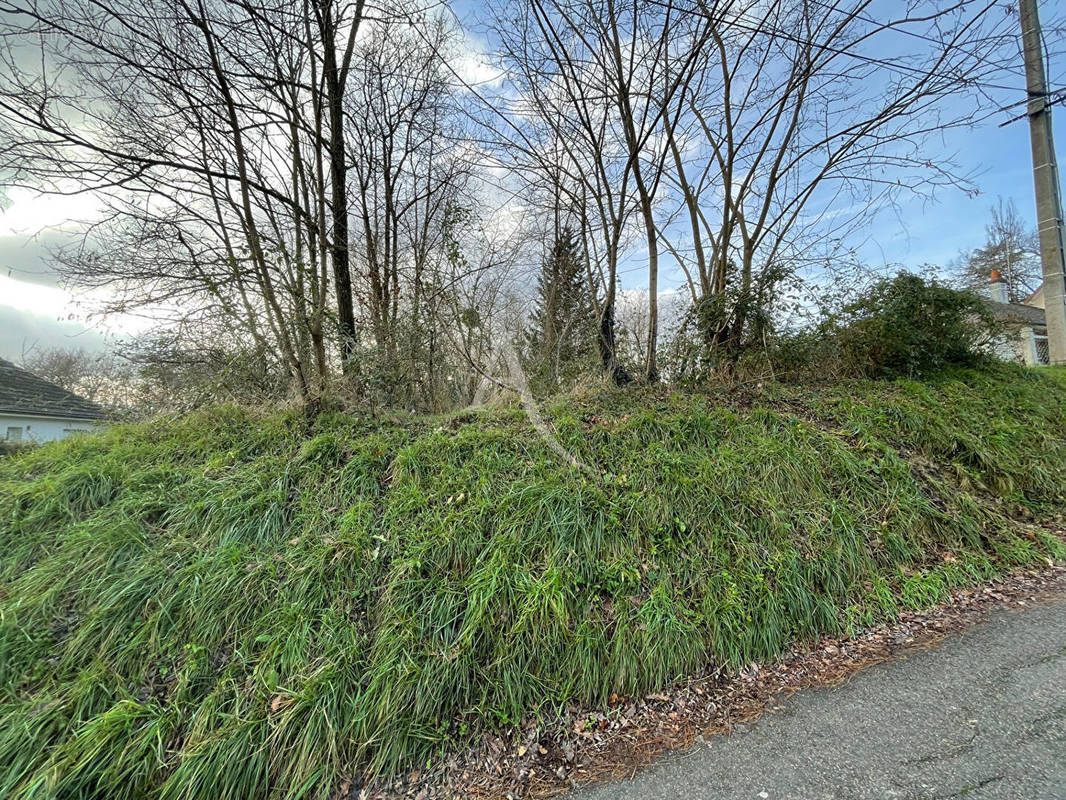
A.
x: 228, y: 606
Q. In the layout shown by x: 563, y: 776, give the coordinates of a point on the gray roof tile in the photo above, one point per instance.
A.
x: 1018, y: 313
x: 22, y: 392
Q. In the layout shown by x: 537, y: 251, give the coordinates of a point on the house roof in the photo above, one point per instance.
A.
x: 22, y: 392
x: 1018, y: 313
x: 1036, y: 291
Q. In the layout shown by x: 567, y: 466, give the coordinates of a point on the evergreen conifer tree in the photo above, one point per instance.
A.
x: 561, y: 338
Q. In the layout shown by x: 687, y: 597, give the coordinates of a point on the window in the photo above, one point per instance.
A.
x: 1042, y: 354
x: 74, y: 431
x: 14, y: 434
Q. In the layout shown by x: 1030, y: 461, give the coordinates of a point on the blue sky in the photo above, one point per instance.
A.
x: 935, y: 232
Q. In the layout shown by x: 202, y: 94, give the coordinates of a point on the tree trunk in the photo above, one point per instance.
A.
x: 338, y: 174
x: 608, y: 346
x: 651, y: 366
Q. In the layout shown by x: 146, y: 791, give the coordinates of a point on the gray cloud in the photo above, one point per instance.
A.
x: 21, y: 331
x: 27, y: 258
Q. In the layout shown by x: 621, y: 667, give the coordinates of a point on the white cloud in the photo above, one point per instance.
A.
x: 38, y: 311
x: 35, y: 309
x: 23, y: 331
x: 27, y: 212
x: 473, y: 64
x: 46, y: 300
x: 33, y: 315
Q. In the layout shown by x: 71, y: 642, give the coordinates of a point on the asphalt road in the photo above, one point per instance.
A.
x: 982, y: 716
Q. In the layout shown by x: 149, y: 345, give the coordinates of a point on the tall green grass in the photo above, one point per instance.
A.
x: 230, y: 606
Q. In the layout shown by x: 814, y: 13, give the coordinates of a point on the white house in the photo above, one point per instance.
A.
x: 32, y: 410
x: 1025, y: 324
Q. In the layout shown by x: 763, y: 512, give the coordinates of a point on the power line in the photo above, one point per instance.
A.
x: 1016, y: 70
x: 774, y: 33
x: 1052, y: 96
x: 1058, y: 97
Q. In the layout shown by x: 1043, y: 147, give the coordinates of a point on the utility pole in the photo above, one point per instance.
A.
x: 1046, y: 183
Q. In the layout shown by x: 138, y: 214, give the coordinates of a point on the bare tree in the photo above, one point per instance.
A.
x: 409, y: 174
x: 564, y: 137
x: 301, y: 178
x: 797, y: 132
x: 101, y: 377
x: 331, y: 18
x: 603, y: 80
x: 189, y: 121
x: 748, y: 136
x: 1011, y: 248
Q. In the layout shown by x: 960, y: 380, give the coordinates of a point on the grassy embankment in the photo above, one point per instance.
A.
x: 226, y: 606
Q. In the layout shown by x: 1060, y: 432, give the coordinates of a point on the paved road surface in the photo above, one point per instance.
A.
x: 983, y: 716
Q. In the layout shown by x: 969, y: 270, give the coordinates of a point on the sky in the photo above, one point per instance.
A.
x: 934, y: 233
x: 36, y: 311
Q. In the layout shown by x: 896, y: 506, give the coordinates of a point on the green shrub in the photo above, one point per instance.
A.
x: 908, y: 326
x: 809, y: 353
x: 725, y: 334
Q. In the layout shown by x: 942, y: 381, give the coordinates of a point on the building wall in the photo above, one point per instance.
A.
x: 1021, y: 344
x: 1009, y: 347
x: 36, y: 430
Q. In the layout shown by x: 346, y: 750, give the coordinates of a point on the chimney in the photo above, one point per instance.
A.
x: 997, y: 287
